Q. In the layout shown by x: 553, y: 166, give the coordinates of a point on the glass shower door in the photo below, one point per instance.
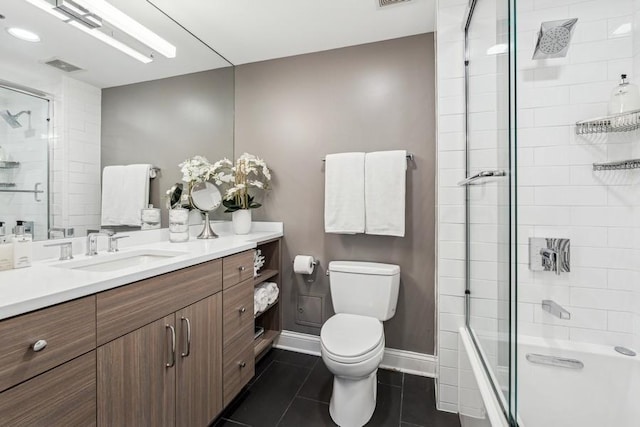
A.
x: 488, y: 191
x: 24, y: 161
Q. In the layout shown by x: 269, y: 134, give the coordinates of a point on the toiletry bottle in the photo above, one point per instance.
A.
x: 625, y: 97
x: 22, y: 250
x: 6, y: 250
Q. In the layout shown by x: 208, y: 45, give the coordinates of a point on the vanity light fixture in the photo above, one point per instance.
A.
x: 125, y: 23
x: 112, y: 42
x: 22, y: 34
x: 88, y: 16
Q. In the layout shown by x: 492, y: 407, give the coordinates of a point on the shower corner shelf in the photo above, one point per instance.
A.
x: 619, y: 165
x: 8, y: 165
x: 624, y: 122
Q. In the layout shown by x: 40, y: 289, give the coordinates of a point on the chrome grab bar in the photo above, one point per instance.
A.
x: 480, y: 175
x: 560, y: 362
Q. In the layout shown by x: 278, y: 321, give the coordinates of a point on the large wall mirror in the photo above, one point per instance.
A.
x: 95, y: 90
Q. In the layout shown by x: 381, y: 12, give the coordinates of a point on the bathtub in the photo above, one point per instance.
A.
x: 603, y: 392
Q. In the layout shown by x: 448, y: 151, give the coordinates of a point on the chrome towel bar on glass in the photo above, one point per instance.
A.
x: 480, y: 175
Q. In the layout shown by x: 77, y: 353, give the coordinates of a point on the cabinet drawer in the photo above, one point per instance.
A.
x: 64, y: 396
x: 127, y: 308
x: 237, y: 308
x: 237, y: 268
x: 69, y: 330
x: 238, y: 368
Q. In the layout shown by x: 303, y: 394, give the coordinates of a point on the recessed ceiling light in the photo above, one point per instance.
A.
x: 22, y: 34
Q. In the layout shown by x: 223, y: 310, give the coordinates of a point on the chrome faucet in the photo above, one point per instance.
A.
x: 555, y: 309
x: 92, y: 241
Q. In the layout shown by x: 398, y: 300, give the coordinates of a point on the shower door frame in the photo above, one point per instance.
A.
x: 27, y: 91
x: 510, y: 408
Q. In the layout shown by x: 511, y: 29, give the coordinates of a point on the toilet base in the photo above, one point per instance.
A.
x: 353, y: 400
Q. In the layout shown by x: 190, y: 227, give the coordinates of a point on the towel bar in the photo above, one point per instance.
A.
x: 409, y: 157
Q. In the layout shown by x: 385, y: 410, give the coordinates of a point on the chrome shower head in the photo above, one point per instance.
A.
x: 554, y: 38
x: 12, y: 119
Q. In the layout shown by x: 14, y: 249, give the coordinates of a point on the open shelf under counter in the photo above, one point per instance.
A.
x: 264, y: 275
x: 264, y: 341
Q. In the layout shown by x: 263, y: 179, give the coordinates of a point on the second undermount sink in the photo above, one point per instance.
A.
x: 119, y: 261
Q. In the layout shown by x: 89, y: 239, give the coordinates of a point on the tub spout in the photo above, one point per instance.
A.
x: 555, y: 309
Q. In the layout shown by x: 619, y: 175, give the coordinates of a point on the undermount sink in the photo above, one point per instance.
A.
x: 119, y: 261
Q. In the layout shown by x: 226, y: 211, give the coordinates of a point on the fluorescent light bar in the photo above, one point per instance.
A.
x: 47, y: 7
x: 77, y: 13
x: 129, y: 25
x: 112, y: 42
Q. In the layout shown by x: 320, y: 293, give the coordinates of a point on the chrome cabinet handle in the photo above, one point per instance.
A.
x: 242, y: 268
x: 172, y: 347
x: 242, y: 364
x: 39, y: 345
x: 480, y: 175
x: 188, y: 349
x: 242, y: 310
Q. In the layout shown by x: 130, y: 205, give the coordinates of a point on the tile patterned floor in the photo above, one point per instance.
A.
x: 293, y: 390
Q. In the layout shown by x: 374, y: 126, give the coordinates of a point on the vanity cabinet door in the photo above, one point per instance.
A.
x: 64, y: 396
x: 199, y: 364
x: 136, y: 377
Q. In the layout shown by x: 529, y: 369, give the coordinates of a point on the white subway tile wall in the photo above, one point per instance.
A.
x: 76, y: 156
x: 559, y: 193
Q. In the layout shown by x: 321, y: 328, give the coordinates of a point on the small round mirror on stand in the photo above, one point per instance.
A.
x: 205, y: 197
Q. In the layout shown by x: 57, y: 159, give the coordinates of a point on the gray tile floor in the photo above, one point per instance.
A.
x: 293, y: 390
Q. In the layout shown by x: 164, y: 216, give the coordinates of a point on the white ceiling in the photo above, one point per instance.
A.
x: 246, y: 31
x: 243, y: 31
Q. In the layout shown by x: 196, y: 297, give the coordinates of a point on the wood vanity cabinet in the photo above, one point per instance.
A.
x: 168, y: 372
x: 170, y: 350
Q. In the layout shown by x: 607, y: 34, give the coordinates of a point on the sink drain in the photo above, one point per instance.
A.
x: 625, y: 351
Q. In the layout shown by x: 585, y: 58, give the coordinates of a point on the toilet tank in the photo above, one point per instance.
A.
x: 364, y: 288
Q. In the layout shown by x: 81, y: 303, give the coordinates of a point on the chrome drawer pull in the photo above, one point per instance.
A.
x: 188, y: 350
x: 172, y: 347
x: 39, y: 345
x: 242, y: 268
x: 242, y: 310
x: 242, y: 364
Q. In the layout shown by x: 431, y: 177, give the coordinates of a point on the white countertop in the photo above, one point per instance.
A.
x: 45, y: 283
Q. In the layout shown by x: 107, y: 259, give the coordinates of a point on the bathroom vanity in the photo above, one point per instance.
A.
x: 170, y: 349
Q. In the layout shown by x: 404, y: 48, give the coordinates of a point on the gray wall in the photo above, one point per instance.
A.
x: 379, y: 96
x: 165, y: 121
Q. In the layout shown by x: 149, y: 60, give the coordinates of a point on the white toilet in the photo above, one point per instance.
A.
x: 352, y: 341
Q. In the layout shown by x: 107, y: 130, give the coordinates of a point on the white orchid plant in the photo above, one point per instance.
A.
x: 248, y: 172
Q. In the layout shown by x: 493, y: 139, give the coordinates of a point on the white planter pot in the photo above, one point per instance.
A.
x: 241, y: 221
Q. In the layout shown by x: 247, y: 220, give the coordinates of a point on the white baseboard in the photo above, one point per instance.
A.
x: 398, y: 360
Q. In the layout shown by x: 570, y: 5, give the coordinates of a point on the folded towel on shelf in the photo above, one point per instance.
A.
x: 272, y: 291
x: 261, y: 297
x: 385, y: 190
x: 125, y: 192
x: 344, y: 193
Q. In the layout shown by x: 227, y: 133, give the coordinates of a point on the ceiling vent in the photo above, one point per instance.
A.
x: 62, y: 65
x: 384, y: 3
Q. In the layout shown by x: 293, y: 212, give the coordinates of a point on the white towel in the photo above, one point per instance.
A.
x: 272, y: 292
x: 385, y: 189
x: 344, y: 193
x: 125, y: 191
x: 261, y: 297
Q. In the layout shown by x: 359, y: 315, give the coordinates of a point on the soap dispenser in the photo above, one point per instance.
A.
x: 22, y: 250
x: 625, y: 97
x: 6, y: 249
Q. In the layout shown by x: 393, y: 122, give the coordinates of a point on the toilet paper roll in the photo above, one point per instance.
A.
x: 303, y: 264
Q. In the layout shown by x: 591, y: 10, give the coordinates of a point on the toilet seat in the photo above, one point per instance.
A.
x: 351, y: 338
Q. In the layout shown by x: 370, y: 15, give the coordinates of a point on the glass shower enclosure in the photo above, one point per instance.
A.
x: 490, y: 194
x: 24, y: 161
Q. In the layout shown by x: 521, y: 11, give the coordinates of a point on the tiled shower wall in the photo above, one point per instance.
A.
x: 76, y: 156
x: 558, y: 193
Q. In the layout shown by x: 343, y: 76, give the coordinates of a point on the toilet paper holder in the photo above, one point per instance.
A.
x: 315, y: 262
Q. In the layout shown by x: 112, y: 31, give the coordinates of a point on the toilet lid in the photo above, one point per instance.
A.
x: 351, y: 335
